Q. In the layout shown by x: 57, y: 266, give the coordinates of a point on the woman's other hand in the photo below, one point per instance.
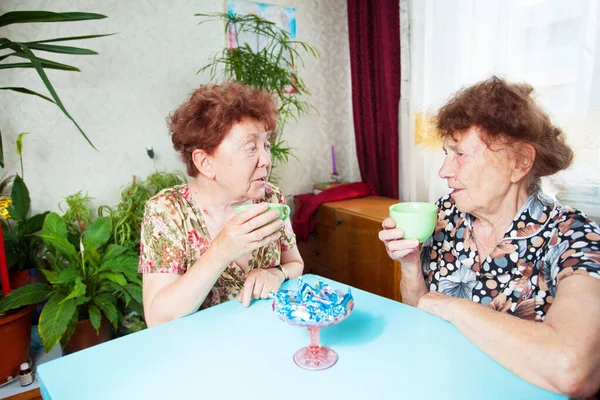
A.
x: 406, y: 251
x: 247, y: 231
x: 259, y: 283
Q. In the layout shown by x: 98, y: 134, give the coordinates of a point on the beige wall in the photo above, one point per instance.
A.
x: 122, y: 96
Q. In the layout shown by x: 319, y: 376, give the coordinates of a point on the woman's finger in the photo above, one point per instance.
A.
x: 391, y: 234
x: 248, y: 289
x: 260, y: 221
x: 258, y: 288
x: 388, y: 223
x: 404, y: 244
x: 250, y: 213
x: 269, y: 229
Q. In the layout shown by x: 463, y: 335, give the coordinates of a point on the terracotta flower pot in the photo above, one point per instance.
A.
x: 15, y: 334
x: 85, y: 336
x: 17, y: 278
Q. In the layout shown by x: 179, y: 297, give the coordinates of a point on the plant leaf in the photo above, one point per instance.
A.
x: 40, y: 70
x: 67, y: 276
x: 70, y: 330
x: 20, y: 143
x: 78, y: 290
x: 1, y: 152
x: 34, y: 224
x: 135, y: 291
x: 126, y: 265
x: 115, y: 277
x: 95, y: 317
x: 53, y: 48
x: 113, y: 251
x: 51, y: 276
x: 46, y: 65
x: 59, y: 244
x: 25, y: 295
x: 21, y: 17
x: 108, y: 309
x: 19, y: 208
x: 97, y: 233
x: 55, y: 319
x: 66, y: 39
x: 22, y: 51
x: 26, y: 91
x: 54, y: 223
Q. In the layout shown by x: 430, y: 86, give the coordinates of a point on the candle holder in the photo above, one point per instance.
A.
x: 335, y: 178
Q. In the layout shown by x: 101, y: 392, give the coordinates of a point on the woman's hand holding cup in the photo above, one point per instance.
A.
x: 250, y: 229
x: 409, y: 224
x: 406, y: 251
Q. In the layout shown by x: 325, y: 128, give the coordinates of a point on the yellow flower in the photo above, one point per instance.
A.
x: 4, y: 203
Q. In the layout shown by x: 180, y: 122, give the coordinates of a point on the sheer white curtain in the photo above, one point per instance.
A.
x: 551, y: 44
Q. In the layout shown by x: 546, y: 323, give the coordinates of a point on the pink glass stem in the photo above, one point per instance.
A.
x: 314, y: 338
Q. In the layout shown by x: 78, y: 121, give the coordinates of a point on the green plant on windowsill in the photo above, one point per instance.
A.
x: 84, y: 282
x: 271, y: 67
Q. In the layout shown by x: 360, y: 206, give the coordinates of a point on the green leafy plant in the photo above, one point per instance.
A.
x: 22, y: 246
x: 127, y: 216
x: 15, y: 49
x: 77, y: 214
x: 85, y: 281
x: 271, y: 67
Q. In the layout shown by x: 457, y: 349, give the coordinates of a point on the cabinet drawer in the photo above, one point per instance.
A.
x: 326, y: 216
x: 320, y: 247
x: 313, y: 267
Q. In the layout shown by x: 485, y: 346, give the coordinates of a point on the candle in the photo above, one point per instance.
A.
x: 333, y: 169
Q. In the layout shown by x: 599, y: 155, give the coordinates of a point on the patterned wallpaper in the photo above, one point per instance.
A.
x: 123, y: 95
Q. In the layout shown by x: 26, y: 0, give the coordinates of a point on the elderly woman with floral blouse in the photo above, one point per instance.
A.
x: 515, y: 271
x: 196, y: 251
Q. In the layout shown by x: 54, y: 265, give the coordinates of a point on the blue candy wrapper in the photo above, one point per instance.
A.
x: 320, y: 305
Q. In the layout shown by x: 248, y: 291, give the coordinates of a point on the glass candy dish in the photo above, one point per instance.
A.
x: 314, y: 308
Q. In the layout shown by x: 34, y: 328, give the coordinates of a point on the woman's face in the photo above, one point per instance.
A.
x: 242, y: 161
x: 479, y: 175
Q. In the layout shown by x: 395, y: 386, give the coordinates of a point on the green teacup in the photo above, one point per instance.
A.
x: 284, y: 210
x: 416, y: 219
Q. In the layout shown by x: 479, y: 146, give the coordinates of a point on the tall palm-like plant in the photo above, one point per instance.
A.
x: 11, y: 49
x: 271, y: 66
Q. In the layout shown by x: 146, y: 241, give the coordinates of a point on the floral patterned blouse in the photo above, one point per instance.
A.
x: 546, y: 243
x: 174, y: 236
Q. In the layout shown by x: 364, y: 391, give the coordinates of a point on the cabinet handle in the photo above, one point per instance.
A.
x: 313, y: 234
x: 315, y: 252
x: 338, y: 222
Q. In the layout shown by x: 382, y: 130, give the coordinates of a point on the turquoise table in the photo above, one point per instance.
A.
x: 387, y: 350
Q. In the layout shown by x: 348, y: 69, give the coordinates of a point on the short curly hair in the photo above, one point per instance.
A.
x: 507, y: 111
x: 203, y: 121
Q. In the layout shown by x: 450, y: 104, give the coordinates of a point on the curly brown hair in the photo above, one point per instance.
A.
x: 507, y: 111
x: 203, y: 121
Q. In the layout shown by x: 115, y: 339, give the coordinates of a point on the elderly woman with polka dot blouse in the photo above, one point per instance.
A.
x: 515, y: 271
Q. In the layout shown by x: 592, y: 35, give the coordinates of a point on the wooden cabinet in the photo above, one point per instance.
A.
x: 345, y: 246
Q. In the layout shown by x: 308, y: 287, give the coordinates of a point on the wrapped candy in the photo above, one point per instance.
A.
x: 320, y: 305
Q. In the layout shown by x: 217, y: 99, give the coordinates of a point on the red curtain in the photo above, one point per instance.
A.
x: 374, y: 28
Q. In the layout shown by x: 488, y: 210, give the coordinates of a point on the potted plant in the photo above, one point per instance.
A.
x: 24, y: 52
x: 271, y: 67
x: 127, y: 216
x: 22, y: 246
x: 84, y: 285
